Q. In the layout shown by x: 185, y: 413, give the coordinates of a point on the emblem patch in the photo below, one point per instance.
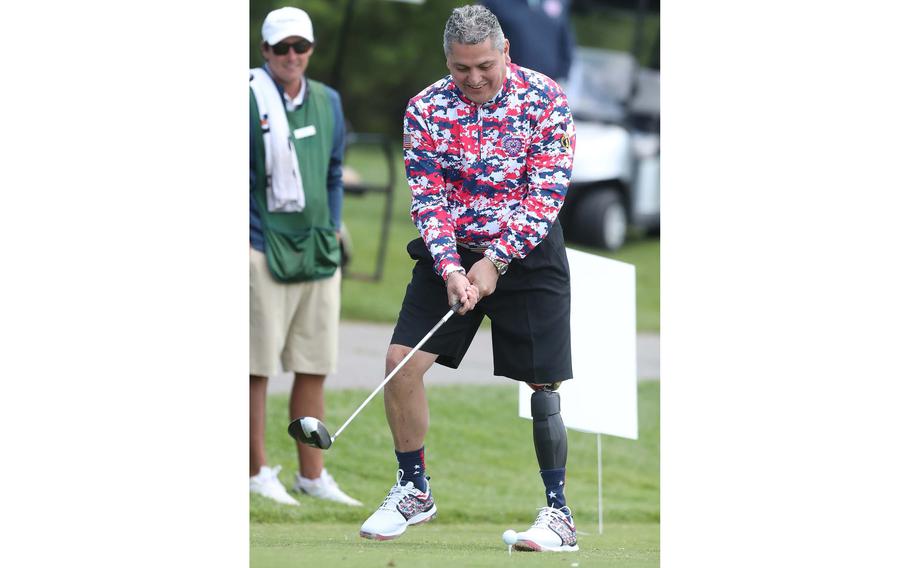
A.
x: 566, y: 142
x: 511, y: 145
x: 407, y: 141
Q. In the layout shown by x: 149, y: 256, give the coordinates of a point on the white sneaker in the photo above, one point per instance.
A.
x: 553, y: 531
x: 404, y: 506
x: 324, y: 487
x: 266, y: 483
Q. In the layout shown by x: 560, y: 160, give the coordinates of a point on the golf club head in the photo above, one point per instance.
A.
x: 310, y: 431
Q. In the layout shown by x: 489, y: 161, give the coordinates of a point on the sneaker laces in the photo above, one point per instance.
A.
x: 545, y: 514
x: 396, y: 494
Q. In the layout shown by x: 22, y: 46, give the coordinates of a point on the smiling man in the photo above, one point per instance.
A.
x: 479, y: 69
x: 488, y: 156
x: 296, y: 150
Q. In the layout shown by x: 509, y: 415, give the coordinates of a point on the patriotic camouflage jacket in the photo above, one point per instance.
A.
x: 490, y: 176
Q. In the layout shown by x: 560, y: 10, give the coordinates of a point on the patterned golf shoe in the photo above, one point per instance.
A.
x: 553, y: 531
x: 404, y: 506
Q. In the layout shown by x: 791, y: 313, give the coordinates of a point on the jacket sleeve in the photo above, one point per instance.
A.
x: 429, y: 205
x: 257, y: 240
x: 333, y: 184
x: 549, y: 168
x: 254, y: 117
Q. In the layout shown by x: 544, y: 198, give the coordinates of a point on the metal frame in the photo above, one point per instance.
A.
x: 361, y: 189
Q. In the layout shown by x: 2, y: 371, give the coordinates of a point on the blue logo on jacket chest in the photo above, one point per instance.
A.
x: 511, y: 145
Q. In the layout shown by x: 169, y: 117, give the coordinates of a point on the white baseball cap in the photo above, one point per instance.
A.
x: 287, y: 22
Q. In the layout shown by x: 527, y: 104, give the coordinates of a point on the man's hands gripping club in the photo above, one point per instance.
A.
x: 469, y: 289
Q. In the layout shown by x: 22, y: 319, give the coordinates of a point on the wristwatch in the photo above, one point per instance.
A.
x: 501, y: 267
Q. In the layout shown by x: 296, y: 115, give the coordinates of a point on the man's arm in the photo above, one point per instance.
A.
x: 333, y: 183
x: 256, y: 238
x: 429, y: 204
x: 429, y: 209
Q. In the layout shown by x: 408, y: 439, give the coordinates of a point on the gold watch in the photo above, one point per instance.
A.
x: 501, y: 267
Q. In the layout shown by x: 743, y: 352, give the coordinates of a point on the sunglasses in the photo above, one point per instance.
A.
x: 282, y: 48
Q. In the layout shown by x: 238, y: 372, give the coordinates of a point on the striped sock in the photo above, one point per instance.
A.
x: 414, y: 468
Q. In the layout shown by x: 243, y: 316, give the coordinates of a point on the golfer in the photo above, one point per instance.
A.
x: 488, y: 156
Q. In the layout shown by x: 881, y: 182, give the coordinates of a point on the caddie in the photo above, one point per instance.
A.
x: 296, y: 151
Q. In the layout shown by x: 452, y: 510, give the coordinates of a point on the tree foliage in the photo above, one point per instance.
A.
x: 391, y: 51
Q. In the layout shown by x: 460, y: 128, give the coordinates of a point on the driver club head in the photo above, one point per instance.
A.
x: 310, y: 431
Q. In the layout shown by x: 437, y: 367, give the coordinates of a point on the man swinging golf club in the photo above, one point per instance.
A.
x: 488, y: 156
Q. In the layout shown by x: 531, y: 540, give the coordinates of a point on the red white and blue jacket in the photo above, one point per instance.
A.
x: 490, y: 176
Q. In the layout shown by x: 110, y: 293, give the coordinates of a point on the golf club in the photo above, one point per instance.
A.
x: 312, y: 431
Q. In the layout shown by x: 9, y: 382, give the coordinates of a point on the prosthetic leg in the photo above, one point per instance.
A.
x: 554, y: 529
x: 550, y: 440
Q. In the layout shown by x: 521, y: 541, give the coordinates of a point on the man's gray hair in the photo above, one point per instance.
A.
x: 470, y: 25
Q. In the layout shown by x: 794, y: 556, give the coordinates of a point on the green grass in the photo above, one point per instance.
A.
x: 377, y: 301
x: 435, y: 545
x: 484, y: 479
x: 380, y: 301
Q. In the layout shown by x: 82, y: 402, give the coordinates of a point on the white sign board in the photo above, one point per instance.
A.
x: 602, y: 397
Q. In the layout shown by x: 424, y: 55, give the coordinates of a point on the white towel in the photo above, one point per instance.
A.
x: 284, y: 186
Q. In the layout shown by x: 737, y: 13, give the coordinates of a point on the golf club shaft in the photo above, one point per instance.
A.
x: 398, y: 367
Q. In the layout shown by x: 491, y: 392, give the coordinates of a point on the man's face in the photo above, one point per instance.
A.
x: 479, y: 70
x: 289, y: 67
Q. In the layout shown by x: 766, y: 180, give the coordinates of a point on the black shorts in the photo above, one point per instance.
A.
x: 529, y: 312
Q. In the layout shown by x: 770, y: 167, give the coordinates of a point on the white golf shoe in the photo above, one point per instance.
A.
x: 405, y: 505
x: 266, y: 483
x: 553, y: 531
x: 324, y: 487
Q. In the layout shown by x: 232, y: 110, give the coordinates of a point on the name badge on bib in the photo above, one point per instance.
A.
x: 304, y: 132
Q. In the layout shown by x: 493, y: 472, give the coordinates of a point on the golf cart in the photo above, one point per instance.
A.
x: 615, y: 182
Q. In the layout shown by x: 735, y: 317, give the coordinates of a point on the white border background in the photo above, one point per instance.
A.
x: 125, y: 285
x: 784, y: 374
x: 784, y: 293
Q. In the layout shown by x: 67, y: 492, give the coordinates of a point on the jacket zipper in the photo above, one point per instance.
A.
x: 480, y: 132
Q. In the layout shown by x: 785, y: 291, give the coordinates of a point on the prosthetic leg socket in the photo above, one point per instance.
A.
x: 550, y: 439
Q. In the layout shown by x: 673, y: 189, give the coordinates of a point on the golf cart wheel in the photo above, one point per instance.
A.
x: 600, y: 219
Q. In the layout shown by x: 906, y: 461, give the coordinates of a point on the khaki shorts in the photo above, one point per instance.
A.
x: 292, y: 326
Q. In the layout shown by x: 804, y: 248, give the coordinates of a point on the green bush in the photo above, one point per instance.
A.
x: 392, y: 50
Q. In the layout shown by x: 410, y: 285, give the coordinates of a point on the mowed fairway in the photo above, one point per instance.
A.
x: 481, y: 460
x: 438, y: 544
